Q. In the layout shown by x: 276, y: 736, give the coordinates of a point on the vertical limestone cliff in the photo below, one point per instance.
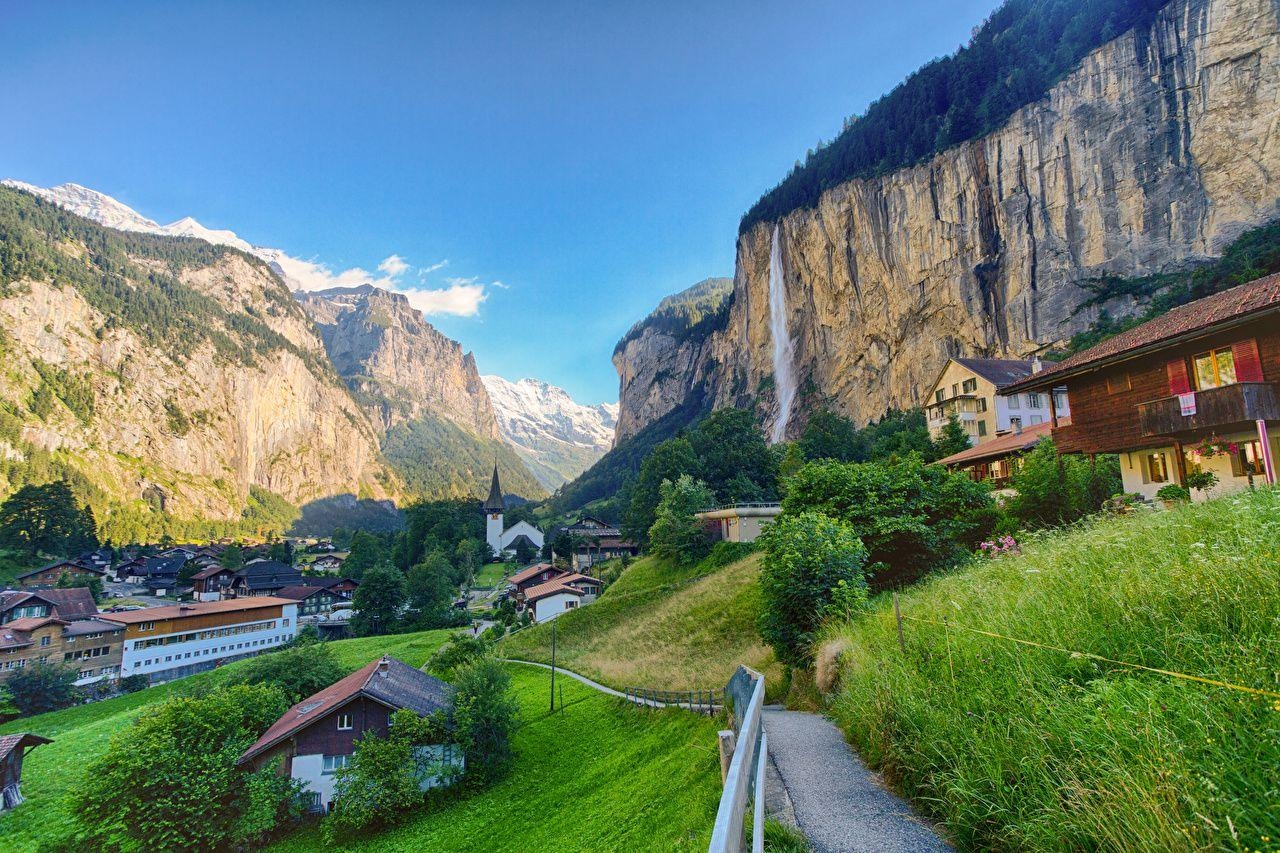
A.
x: 1158, y: 150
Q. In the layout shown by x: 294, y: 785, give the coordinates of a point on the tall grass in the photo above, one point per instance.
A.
x: 1016, y: 748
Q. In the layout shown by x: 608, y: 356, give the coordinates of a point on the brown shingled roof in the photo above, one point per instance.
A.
x: 533, y: 571
x: 195, y: 608
x: 1003, y: 445
x: 551, y: 587
x: 1202, y: 315
x: 1000, y: 371
x: 8, y: 743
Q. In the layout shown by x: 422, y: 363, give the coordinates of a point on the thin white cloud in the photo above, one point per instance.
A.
x: 394, y: 266
x: 439, y: 265
x: 462, y: 298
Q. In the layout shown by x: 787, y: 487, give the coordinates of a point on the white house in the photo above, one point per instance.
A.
x: 553, y: 598
x: 504, y: 540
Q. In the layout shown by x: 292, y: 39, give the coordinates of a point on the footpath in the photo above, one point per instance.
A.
x: 822, y: 786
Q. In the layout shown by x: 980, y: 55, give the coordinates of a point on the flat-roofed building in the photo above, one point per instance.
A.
x: 165, y: 643
x: 739, y: 522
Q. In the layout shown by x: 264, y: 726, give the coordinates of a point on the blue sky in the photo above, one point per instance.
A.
x: 572, y: 163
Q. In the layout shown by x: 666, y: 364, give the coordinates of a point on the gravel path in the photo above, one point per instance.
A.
x: 839, y: 804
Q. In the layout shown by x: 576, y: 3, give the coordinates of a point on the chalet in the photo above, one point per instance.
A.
x: 57, y: 626
x: 589, y: 553
x: 996, y: 461
x: 345, y: 587
x: 13, y: 749
x: 156, y: 571
x: 67, y: 604
x: 551, y: 599
x: 312, y: 600
x: 213, y: 583
x: 505, y: 540
x: 589, y: 587
x: 328, y: 563
x: 1193, y: 390
x: 975, y: 391
x: 171, y: 642
x: 739, y: 522
x: 265, y: 577
x: 47, y: 576
x: 527, y: 578
x: 317, y: 736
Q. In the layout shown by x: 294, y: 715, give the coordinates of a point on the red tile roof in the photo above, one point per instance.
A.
x: 551, y: 587
x: 1003, y: 445
x: 1202, y: 315
x: 399, y: 686
x: 532, y: 572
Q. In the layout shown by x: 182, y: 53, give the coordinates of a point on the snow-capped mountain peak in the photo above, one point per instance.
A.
x: 188, y: 227
x: 91, y: 204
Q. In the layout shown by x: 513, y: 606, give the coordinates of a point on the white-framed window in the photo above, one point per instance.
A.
x: 1014, y: 401
x: 1060, y: 400
x: 332, y: 763
x: 344, y: 722
x: 1033, y: 400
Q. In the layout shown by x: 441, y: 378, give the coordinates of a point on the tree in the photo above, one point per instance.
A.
x: 485, y: 716
x: 668, y: 461
x: 811, y: 564
x: 1051, y: 489
x: 733, y: 455
x: 378, y: 601
x: 677, y: 534
x: 829, y: 435
x: 170, y: 780
x: 953, y: 438
x: 913, y: 518
x: 41, y: 687
x: 297, y: 672
x: 790, y: 461
x: 281, y: 552
x: 526, y: 553
x: 69, y: 581
x: 46, y: 519
x: 367, y: 551
x: 232, y: 558
x: 429, y: 585
x: 461, y: 651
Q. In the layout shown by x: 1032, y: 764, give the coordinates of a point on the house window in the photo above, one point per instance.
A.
x: 1033, y: 401
x: 572, y: 603
x: 955, y: 389
x: 1014, y: 402
x: 146, y: 626
x: 1155, y: 468
x: 982, y: 405
x: 982, y: 430
x: 1248, y: 460
x: 344, y: 722
x: 1015, y: 424
x: 1060, y: 400
x: 1214, y: 368
x: 1118, y: 384
x: 1037, y: 419
x: 333, y: 763
x: 940, y: 395
x: 970, y: 385
x: 44, y: 641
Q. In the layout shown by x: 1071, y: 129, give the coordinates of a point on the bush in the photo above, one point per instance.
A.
x: 170, y: 781
x: 808, y: 557
x: 1055, y: 489
x: 133, y: 683
x: 297, y: 672
x: 385, y: 778
x: 1202, y: 481
x: 43, y: 687
x: 677, y: 534
x: 485, y: 715
x: 461, y: 651
x: 913, y: 518
x: 1173, y: 492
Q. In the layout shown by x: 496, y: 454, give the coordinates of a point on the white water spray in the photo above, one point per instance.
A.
x: 784, y: 379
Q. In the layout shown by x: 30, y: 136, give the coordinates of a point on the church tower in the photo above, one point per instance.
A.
x: 493, y: 515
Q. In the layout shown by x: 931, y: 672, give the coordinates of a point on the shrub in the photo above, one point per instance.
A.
x: 1173, y: 492
x: 807, y: 558
x: 461, y: 651
x: 1054, y: 490
x: 43, y: 687
x: 133, y: 683
x: 297, y: 672
x: 485, y: 716
x: 677, y: 534
x: 170, y: 781
x: 913, y: 518
x: 1202, y: 481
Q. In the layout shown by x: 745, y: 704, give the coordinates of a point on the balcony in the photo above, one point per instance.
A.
x: 1241, y: 403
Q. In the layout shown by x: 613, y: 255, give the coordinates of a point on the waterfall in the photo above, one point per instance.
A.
x: 784, y: 380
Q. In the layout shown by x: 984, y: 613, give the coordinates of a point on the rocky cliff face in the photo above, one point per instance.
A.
x: 191, y: 429
x: 398, y: 365
x: 1157, y: 151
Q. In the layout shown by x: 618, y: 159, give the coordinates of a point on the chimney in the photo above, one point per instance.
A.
x: 384, y: 666
x: 1017, y: 426
x: 1037, y: 365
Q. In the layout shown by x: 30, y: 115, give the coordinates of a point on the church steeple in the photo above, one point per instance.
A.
x: 494, y: 503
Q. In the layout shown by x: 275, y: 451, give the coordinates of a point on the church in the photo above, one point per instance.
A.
x: 504, y: 541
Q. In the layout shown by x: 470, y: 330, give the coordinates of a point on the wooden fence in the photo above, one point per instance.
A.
x: 744, y: 779
x: 707, y: 702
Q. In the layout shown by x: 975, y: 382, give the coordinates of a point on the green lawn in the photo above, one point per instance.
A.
x: 600, y: 775
x: 81, y: 734
x: 491, y: 574
x: 661, y: 626
x: 1017, y: 748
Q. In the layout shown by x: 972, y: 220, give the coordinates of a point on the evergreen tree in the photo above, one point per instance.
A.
x: 677, y: 533
x: 378, y: 601
x: 953, y: 438
x: 668, y: 461
x: 46, y: 519
x: 829, y: 435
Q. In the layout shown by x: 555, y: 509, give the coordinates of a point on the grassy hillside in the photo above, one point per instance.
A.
x: 599, y: 775
x: 81, y: 734
x: 1018, y: 748
x: 662, y: 627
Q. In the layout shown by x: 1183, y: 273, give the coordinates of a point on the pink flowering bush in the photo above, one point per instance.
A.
x: 1003, y: 546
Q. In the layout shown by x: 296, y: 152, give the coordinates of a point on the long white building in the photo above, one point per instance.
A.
x: 165, y: 643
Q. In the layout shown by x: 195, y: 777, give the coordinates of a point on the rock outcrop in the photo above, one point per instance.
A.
x: 1158, y: 150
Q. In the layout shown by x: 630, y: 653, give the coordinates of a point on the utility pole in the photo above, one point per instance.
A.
x: 553, y: 664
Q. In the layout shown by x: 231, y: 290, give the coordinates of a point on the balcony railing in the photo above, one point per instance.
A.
x: 1241, y: 403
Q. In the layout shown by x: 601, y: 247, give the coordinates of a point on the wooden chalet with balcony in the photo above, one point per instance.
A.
x: 1192, y: 390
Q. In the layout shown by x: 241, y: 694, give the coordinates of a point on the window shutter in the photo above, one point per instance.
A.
x: 1178, y: 381
x: 1248, y: 365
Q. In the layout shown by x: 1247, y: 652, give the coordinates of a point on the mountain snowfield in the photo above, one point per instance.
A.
x: 557, y: 437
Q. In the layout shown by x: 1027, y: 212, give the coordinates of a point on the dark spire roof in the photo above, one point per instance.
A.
x: 494, y: 503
